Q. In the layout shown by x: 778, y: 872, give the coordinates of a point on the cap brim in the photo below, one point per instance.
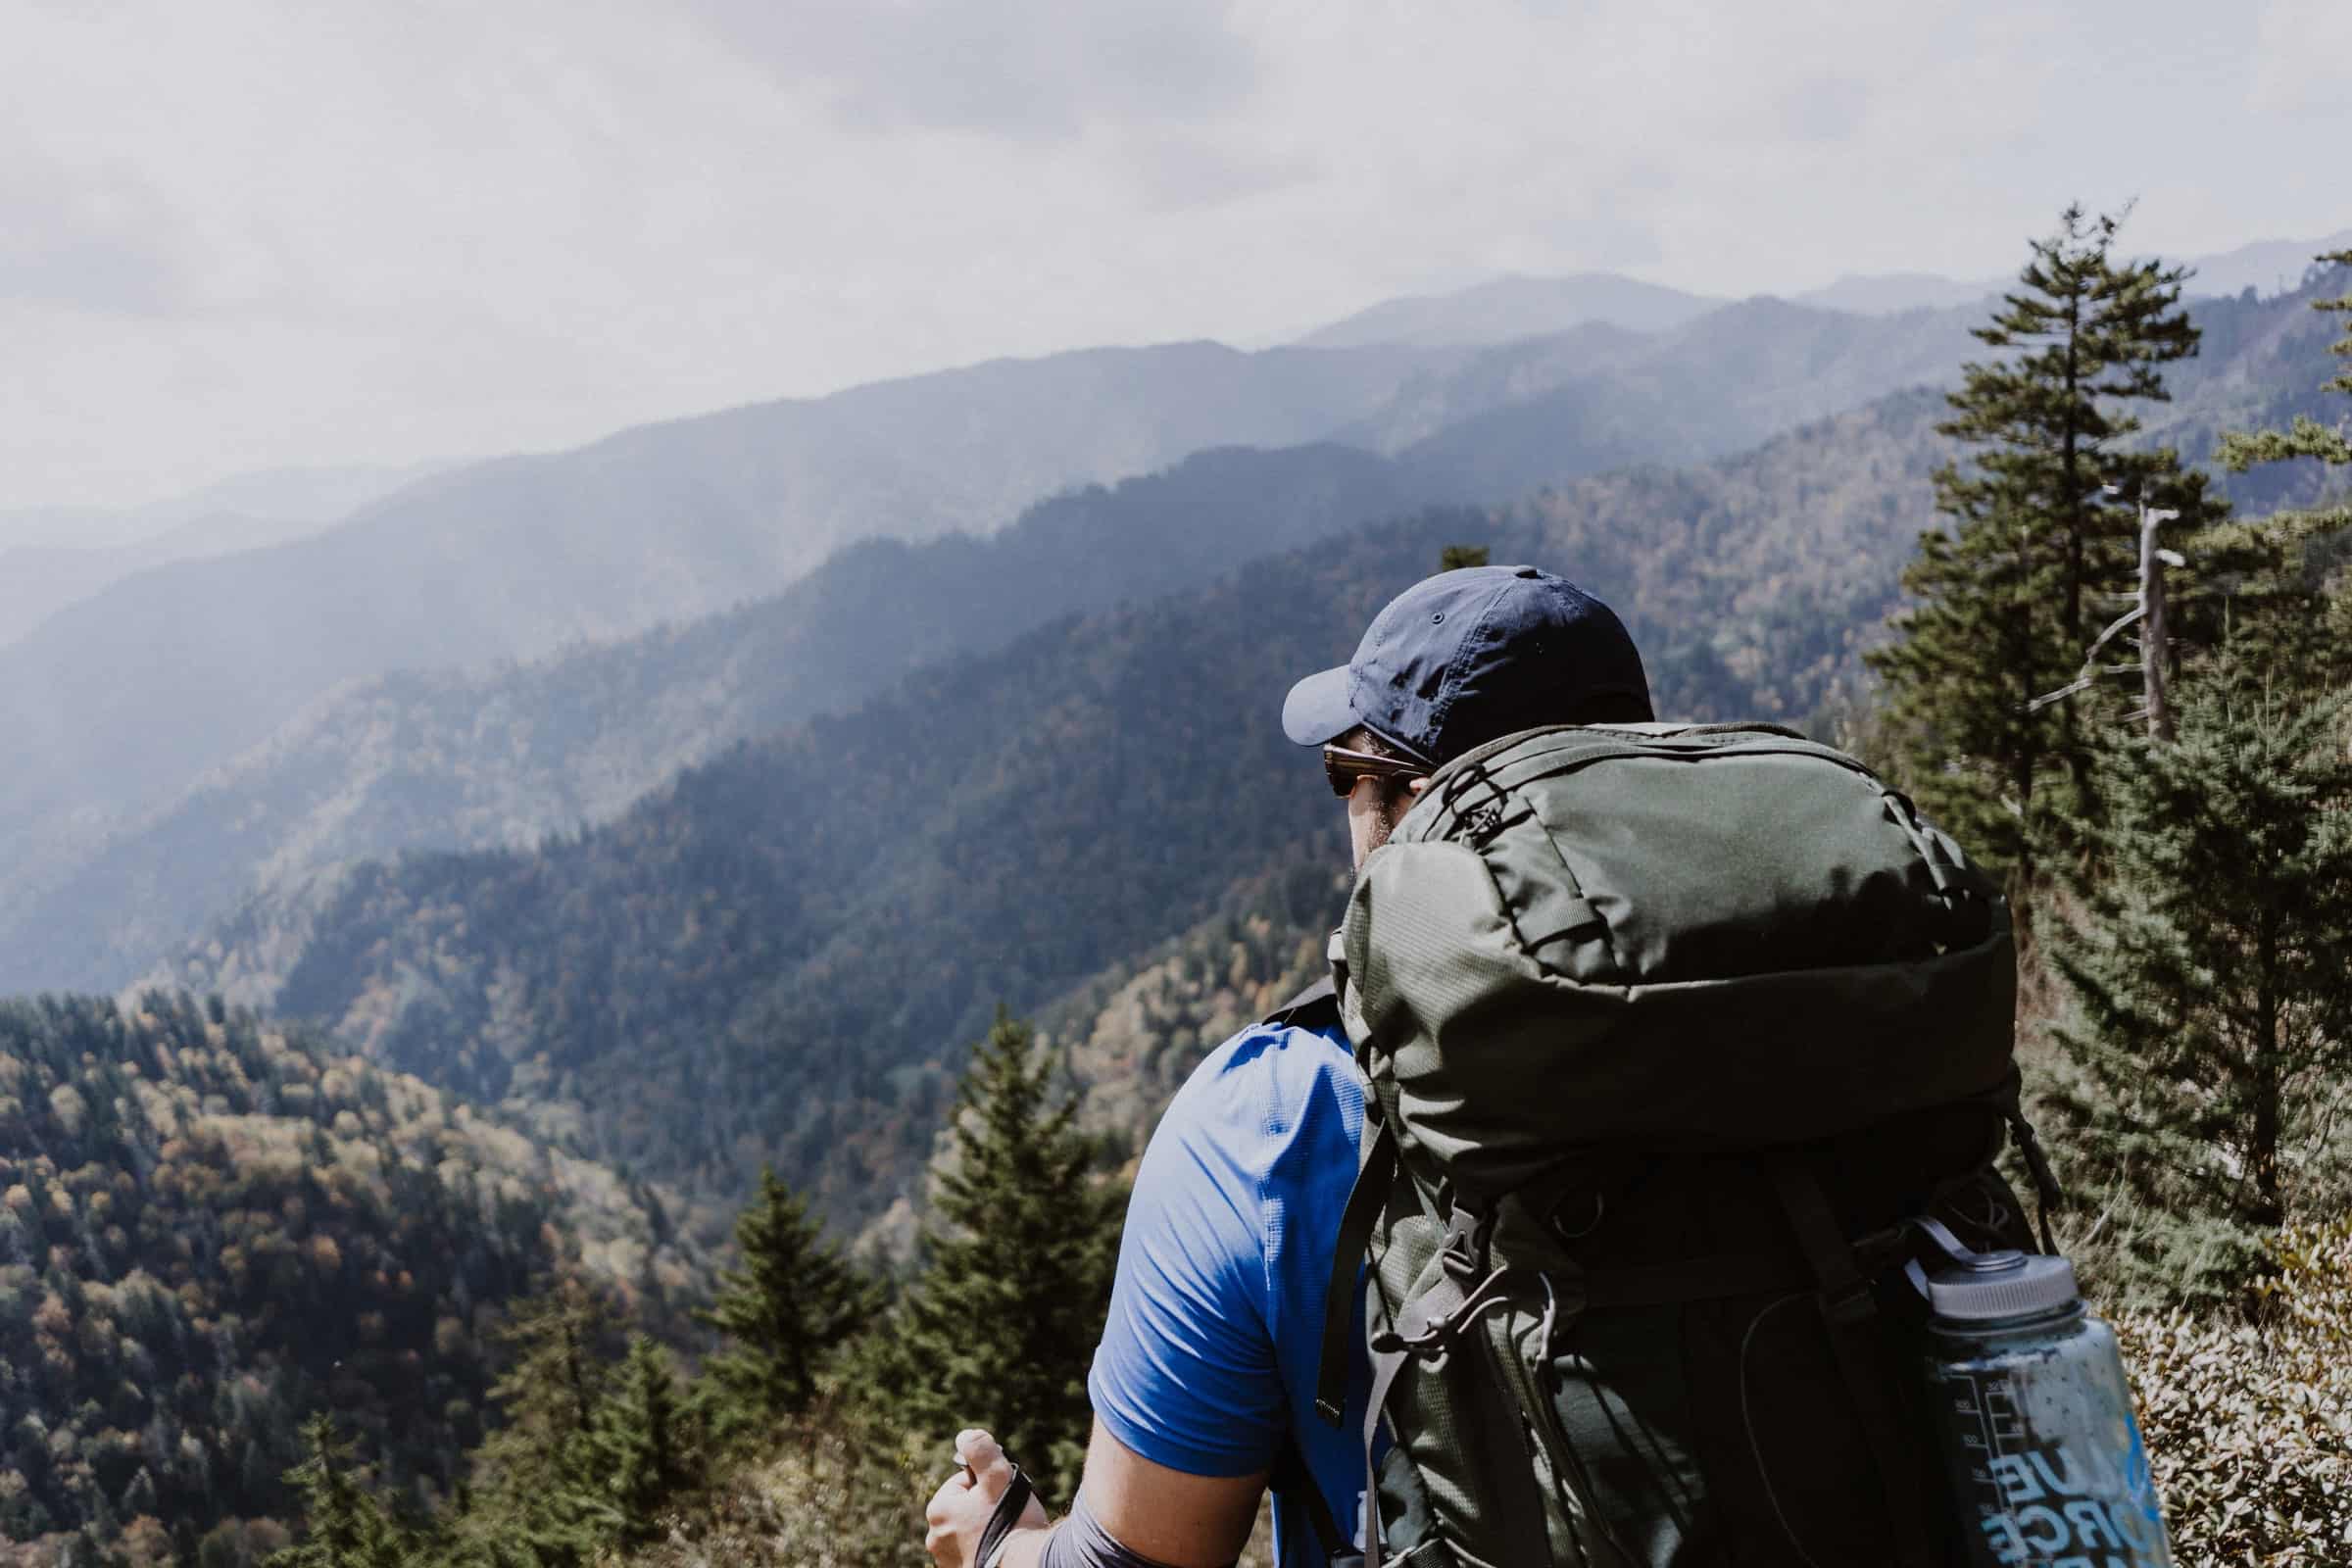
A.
x: 1317, y: 709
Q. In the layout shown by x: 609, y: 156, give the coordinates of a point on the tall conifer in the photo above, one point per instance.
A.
x: 2006, y: 603
x: 998, y: 1329
x: 526, y: 1507
x: 787, y: 1310
x: 636, y: 1456
x: 343, y: 1527
x: 2215, y: 978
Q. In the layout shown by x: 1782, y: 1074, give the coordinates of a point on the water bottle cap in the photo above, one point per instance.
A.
x: 1991, y: 1285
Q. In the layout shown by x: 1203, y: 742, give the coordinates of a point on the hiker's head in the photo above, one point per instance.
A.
x: 1452, y: 662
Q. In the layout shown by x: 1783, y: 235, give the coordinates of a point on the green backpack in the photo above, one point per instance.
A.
x: 1669, y: 1034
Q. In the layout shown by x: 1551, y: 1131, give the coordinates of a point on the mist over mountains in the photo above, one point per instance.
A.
x: 452, y: 759
x: 461, y: 759
x: 55, y: 556
x: 117, y: 703
x: 130, y: 698
x: 1507, y: 309
x: 1515, y: 305
x: 115, y: 870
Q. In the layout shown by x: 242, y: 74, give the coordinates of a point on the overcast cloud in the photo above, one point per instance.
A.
x: 236, y: 236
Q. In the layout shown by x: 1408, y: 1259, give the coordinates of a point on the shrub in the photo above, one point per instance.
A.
x: 2249, y: 1417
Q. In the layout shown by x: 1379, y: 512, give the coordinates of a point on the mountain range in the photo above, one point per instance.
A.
x: 166, y: 692
x: 445, y: 758
x: 1517, y: 306
x: 55, y: 556
x: 115, y: 704
x: 453, y: 758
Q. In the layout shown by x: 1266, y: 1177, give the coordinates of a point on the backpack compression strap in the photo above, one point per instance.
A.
x: 1292, y: 1479
x: 1849, y: 1315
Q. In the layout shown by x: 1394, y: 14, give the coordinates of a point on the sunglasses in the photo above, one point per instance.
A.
x: 1344, y: 767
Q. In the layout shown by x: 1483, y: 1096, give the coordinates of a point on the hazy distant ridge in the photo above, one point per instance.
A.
x: 1517, y: 306
x: 117, y: 703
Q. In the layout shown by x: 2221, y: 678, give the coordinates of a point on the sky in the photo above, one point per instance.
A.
x: 239, y: 236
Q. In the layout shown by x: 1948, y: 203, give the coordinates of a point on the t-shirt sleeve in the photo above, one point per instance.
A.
x: 1186, y: 1373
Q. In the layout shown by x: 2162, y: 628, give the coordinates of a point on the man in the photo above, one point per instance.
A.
x: 1203, y: 1386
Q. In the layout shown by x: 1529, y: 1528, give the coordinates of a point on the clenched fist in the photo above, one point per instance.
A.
x: 961, y: 1509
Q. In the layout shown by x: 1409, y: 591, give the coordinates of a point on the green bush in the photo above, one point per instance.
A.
x: 842, y: 1491
x: 2249, y: 1417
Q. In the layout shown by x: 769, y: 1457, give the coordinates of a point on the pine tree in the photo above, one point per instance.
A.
x: 786, y: 1309
x: 342, y: 1525
x: 555, y: 1375
x: 2215, y: 980
x: 2006, y: 603
x: 998, y: 1329
x: 636, y: 1453
x: 527, y: 1501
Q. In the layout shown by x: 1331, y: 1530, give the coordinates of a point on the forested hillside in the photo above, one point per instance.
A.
x: 209, y: 1229
x: 796, y: 932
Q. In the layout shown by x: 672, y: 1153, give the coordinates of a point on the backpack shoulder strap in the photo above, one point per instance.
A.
x: 1292, y: 1479
x: 1364, y: 1203
x: 1315, y: 1008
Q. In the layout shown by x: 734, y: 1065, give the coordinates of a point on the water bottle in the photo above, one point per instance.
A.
x: 2040, y: 1446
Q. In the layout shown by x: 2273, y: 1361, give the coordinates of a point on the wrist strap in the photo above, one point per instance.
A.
x: 1009, y: 1508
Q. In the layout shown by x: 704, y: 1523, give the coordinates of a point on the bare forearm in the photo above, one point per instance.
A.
x: 1027, y: 1547
x: 1077, y: 1542
x: 1130, y: 1513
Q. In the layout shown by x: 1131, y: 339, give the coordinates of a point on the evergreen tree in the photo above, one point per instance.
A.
x: 788, y: 1309
x: 528, y: 1498
x: 342, y: 1525
x: 2006, y: 603
x: 2215, y: 979
x: 635, y: 1457
x: 997, y: 1330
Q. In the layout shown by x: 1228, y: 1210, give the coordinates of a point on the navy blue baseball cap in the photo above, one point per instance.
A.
x: 1472, y: 654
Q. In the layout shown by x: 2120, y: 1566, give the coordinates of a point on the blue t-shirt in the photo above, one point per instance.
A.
x: 1216, y: 1319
